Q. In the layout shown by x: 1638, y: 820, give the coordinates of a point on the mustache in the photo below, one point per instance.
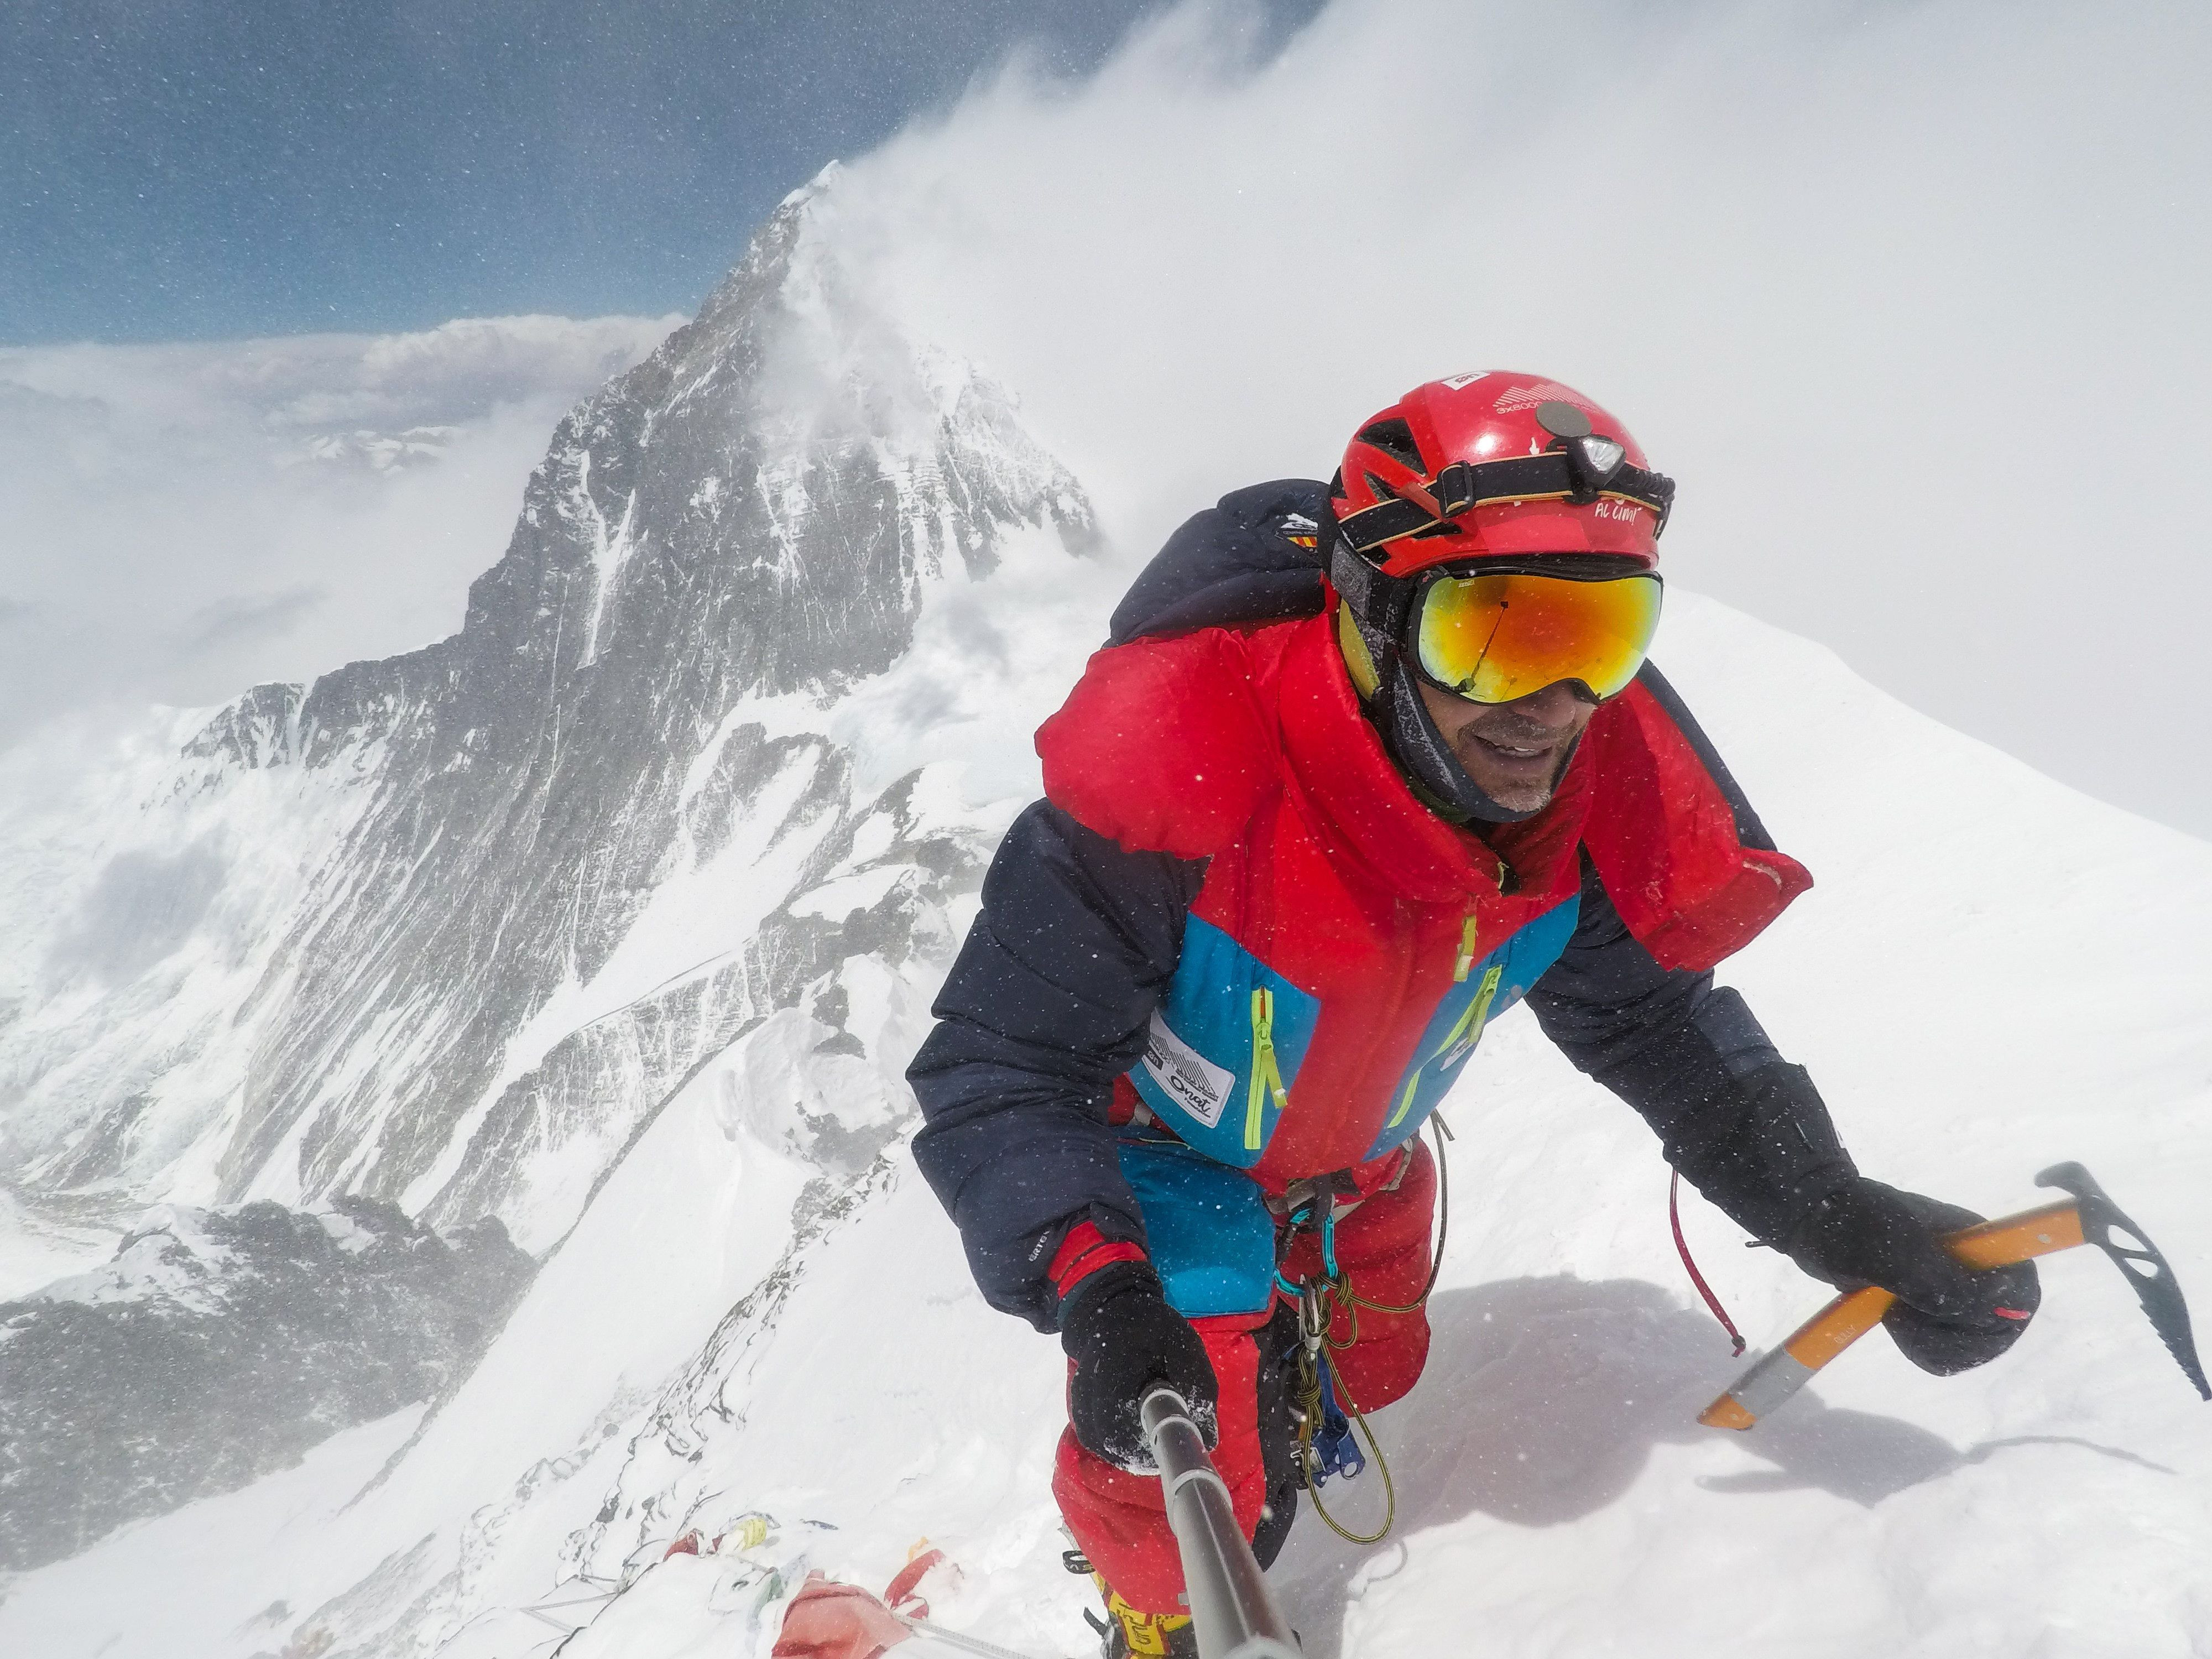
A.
x: 1515, y: 730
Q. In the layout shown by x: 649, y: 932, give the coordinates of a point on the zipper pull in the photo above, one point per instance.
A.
x: 1263, y: 1041
x: 1267, y: 1076
x: 1466, y: 933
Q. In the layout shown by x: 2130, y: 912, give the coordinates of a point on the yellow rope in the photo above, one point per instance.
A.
x: 1312, y: 1404
x: 1435, y: 1267
x: 1314, y: 1355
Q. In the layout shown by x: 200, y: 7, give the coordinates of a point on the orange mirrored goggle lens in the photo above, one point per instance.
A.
x: 1492, y: 639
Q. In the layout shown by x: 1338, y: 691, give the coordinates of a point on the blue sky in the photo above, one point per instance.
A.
x: 184, y: 170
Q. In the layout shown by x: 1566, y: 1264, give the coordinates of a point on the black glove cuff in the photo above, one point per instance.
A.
x: 1082, y: 1308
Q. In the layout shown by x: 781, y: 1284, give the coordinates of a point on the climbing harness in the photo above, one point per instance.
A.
x: 1328, y: 1417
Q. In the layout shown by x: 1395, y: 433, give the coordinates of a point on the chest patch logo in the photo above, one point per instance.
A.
x: 1188, y: 1077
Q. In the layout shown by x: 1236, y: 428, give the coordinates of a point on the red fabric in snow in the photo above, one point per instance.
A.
x: 828, y: 1620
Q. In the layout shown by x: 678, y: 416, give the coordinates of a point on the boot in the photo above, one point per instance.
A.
x: 1130, y: 1634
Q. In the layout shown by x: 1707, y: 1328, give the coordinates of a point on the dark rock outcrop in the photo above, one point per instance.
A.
x: 220, y: 1345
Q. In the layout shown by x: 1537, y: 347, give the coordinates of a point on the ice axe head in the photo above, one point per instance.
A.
x: 2105, y: 1225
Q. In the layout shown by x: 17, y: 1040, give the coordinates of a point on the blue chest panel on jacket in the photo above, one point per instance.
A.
x: 1491, y: 985
x: 1207, y: 1227
x: 1197, y: 1074
x: 1226, y: 1013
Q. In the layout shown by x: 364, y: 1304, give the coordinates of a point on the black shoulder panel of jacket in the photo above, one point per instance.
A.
x: 1233, y: 563
x: 1606, y: 999
x: 1046, y: 1004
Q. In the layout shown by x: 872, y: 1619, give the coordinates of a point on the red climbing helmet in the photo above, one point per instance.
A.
x: 1497, y: 464
x: 1500, y: 533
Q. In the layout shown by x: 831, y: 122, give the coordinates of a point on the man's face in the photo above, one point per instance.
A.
x: 1515, y: 751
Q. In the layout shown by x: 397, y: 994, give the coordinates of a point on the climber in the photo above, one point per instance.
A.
x: 1363, y: 765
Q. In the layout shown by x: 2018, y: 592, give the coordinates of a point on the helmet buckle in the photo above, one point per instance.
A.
x: 1453, y: 491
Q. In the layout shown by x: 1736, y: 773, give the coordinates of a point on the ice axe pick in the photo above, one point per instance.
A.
x: 2088, y: 1218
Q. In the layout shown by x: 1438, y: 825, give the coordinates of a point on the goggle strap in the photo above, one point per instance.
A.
x: 1384, y: 603
x: 1386, y: 521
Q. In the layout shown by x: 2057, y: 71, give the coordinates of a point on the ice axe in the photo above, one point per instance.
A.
x: 2088, y: 1218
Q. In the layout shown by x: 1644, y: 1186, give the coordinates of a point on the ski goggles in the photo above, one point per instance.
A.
x: 1494, y: 638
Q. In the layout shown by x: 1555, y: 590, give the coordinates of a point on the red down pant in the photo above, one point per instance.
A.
x: 1120, y: 1520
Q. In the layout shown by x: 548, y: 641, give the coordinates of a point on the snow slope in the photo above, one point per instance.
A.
x: 1993, y: 973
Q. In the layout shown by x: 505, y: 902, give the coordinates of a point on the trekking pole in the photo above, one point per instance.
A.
x: 1232, y: 1610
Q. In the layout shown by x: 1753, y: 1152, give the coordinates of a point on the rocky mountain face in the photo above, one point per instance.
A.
x: 440, y: 936
x: 220, y: 1345
x: 445, y: 929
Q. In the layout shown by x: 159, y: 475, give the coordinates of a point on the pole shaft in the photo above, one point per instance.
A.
x: 1233, y: 1609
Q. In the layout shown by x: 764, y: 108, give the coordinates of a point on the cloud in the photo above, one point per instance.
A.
x: 232, y: 623
x: 1906, y: 303
x: 1909, y: 306
x: 297, y: 503
x: 22, y: 407
x: 143, y: 907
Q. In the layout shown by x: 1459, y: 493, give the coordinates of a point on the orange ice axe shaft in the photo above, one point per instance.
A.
x: 2089, y: 1217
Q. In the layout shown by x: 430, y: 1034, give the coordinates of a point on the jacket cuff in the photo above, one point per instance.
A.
x: 1083, y: 1252
x: 1783, y: 1160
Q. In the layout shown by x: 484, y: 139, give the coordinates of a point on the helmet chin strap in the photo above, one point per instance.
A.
x: 1417, y: 746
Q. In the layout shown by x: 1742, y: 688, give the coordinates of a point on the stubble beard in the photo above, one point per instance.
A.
x: 1515, y: 794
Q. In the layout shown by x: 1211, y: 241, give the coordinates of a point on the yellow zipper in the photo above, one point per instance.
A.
x: 1478, y: 1014
x: 1405, y: 1100
x: 1465, y: 950
x: 1267, y: 1076
x: 1467, y: 1029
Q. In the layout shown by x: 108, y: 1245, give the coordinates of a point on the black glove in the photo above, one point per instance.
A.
x: 1125, y: 1339
x: 1949, y: 1318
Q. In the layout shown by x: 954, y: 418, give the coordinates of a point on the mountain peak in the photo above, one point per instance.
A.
x: 445, y: 850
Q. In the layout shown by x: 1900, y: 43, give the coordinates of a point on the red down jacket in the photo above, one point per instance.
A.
x: 1347, y: 944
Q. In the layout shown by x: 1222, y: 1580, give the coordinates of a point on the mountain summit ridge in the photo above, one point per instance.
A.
x: 752, y: 514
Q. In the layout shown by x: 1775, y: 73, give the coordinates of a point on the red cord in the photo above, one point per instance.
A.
x: 1682, y: 1248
